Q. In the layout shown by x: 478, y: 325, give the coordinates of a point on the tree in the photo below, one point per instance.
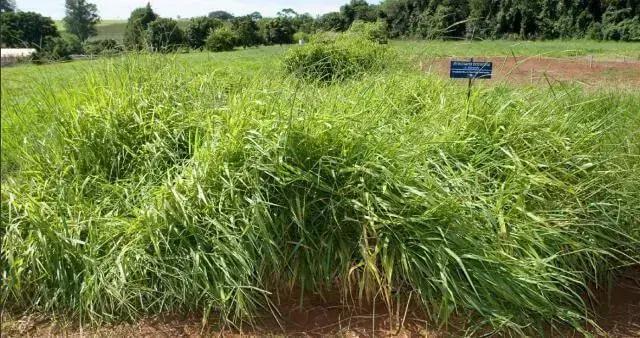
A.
x: 618, y: 24
x: 255, y: 16
x: 443, y: 19
x: 480, y: 23
x: 288, y: 13
x: 222, y: 15
x: 221, y: 40
x: 279, y: 31
x: 333, y: 21
x: 246, y: 31
x: 81, y: 18
x: 359, y: 10
x: 164, y: 35
x: 199, y: 30
x: 7, y: 6
x: 134, y: 34
x: 26, y: 29
x: 304, y: 23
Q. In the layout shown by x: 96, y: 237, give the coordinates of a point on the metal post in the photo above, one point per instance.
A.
x: 532, y: 75
x: 469, y: 92
x: 469, y: 87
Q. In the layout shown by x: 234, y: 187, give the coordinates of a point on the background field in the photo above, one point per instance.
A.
x: 219, y: 185
x: 114, y: 29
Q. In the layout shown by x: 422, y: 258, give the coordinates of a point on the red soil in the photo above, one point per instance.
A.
x: 539, y: 70
x: 617, y: 313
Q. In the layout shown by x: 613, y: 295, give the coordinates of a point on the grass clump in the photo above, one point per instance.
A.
x: 159, y: 187
x: 374, y: 31
x: 334, y: 57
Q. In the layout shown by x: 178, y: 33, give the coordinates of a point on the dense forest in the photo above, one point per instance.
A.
x: 495, y: 19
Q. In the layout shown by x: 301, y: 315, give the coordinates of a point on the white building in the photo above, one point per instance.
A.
x: 13, y: 55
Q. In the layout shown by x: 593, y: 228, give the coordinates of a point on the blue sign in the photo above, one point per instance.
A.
x: 470, y: 70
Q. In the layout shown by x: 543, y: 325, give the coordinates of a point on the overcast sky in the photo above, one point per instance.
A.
x: 120, y: 9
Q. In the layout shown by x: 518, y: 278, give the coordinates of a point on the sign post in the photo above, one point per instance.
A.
x: 470, y: 70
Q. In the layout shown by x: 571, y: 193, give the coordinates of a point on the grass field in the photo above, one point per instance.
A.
x: 212, y: 183
x: 554, y: 48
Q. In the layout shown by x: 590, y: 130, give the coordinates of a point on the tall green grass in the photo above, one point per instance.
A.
x: 150, y: 187
x: 331, y: 57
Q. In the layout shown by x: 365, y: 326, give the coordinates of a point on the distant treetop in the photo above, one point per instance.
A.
x: 7, y: 6
x: 222, y: 15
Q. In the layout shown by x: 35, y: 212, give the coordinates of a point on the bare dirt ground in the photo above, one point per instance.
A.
x: 540, y: 70
x: 619, y: 309
x: 618, y: 314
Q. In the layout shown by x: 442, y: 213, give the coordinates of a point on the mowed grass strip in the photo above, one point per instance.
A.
x: 148, y: 185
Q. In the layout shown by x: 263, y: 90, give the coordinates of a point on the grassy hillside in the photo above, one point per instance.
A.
x: 114, y: 29
x: 211, y: 183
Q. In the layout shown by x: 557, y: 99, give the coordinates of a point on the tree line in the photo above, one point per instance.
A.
x: 517, y: 19
x: 496, y: 19
x: 428, y: 19
x: 218, y: 31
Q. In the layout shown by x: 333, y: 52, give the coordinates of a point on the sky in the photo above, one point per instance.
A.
x: 120, y: 9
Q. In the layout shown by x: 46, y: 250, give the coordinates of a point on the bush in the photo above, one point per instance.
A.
x: 331, y: 58
x: 374, y: 31
x: 59, y: 48
x: 301, y: 36
x: 102, y: 47
x: 324, y: 37
x: 164, y: 35
x: 221, y: 40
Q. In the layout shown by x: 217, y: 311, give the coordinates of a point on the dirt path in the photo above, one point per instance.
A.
x: 540, y: 70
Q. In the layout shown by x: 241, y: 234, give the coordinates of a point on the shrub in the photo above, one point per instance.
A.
x: 301, y: 36
x: 59, y: 48
x: 374, y: 31
x: 324, y: 37
x: 221, y: 40
x: 331, y: 58
x: 102, y: 47
x: 164, y: 35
